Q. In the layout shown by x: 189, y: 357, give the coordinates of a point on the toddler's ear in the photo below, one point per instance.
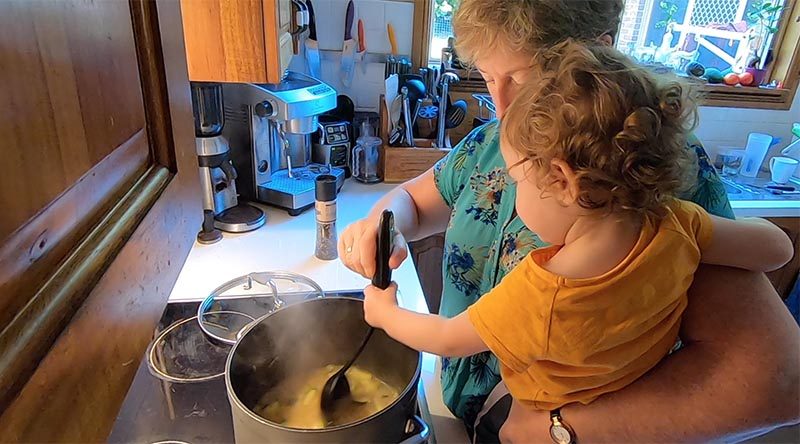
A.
x: 563, y: 182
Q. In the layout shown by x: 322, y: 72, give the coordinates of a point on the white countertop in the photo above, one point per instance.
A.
x: 761, y: 203
x: 287, y: 243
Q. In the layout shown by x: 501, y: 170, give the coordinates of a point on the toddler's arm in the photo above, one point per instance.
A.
x: 749, y: 243
x: 455, y: 337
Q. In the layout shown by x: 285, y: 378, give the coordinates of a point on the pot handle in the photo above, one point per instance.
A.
x: 420, y: 437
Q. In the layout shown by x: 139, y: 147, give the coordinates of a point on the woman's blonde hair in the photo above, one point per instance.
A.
x: 621, y: 129
x: 525, y: 26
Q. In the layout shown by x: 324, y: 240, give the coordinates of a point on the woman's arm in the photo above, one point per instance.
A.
x: 419, y: 211
x: 454, y: 337
x: 736, y: 377
x: 752, y: 244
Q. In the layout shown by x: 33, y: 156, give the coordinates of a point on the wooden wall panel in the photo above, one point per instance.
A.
x: 76, y: 391
x: 71, y: 95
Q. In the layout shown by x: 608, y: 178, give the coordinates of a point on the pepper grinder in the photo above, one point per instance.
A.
x: 325, y: 206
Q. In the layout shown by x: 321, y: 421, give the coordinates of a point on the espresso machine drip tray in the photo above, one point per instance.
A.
x: 296, y: 193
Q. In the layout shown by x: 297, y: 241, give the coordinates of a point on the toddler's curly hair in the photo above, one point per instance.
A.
x: 620, y: 128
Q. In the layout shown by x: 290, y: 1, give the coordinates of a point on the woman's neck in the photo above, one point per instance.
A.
x: 595, y: 245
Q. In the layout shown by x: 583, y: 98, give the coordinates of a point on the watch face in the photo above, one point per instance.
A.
x: 560, y: 434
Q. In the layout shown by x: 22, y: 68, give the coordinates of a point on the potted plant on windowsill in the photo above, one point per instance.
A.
x: 763, y: 17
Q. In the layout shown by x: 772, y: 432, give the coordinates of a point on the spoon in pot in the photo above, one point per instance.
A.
x: 337, y: 386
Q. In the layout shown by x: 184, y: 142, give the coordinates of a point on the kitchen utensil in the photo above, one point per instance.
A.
x: 337, y: 387
x: 456, y: 113
x: 330, y: 330
x: 312, y: 46
x: 757, y: 146
x: 427, y: 121
x: 383, y: 273
x: 349, y: 46
x: 486, y: 110
x: 446, y: 79
x: 416, y: 92
x: 392, y: 38
x: 409, y: 134
x: 434, y: 84
x: 395, y: 114
x: 782, y: 168
x: 362, y: 46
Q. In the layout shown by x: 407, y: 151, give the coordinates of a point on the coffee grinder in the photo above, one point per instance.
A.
x: 269, y: 127
x: 221, y: 208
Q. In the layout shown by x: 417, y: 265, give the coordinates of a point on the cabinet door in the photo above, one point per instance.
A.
x: 101, y: 203
x: 277, y: 25
x: 427, y: 256
x: 237, y: 40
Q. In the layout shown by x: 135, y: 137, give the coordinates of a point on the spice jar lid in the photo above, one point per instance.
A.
x: 325, y: 188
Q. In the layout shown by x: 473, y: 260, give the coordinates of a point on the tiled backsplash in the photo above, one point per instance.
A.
x: 728, y: 127
x: 376, y: 14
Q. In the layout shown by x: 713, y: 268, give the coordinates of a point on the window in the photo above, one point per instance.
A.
x: 441, y: 28
x: 728, y: 35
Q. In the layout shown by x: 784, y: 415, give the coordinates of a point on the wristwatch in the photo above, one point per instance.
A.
x: 560, y: 432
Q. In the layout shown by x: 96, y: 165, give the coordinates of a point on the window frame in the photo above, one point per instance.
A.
x: 786, y: 65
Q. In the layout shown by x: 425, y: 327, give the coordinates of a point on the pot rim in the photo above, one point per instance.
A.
x: 233, y: 398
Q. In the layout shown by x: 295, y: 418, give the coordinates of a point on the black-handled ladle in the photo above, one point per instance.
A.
x: 337, y: 386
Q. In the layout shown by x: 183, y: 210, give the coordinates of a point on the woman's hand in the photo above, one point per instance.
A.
x: 378, y: 304
x: 525, y: 425
x: 358, y: 246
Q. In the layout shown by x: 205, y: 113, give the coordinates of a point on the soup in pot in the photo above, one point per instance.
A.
x: 297, y: 402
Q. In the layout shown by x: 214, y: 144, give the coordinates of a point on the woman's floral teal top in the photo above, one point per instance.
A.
x: 485, y: 240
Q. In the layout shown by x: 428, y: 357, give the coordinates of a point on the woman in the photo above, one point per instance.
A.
x: 467, y: 193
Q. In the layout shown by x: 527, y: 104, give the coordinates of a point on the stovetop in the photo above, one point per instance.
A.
x: 155, y: 410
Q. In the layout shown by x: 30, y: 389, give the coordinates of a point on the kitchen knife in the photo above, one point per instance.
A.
x: 383, y: 274
x: 362, y: 46
x: 312, y: 46
x: 349, y: 48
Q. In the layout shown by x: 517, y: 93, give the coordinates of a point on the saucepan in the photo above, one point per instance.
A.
x: 313, y: 334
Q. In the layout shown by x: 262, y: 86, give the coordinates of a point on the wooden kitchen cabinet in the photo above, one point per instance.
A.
x: 101, y: 204
x: 427, y: 255
x: 237, y: 40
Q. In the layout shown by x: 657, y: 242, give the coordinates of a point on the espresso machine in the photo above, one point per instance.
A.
x: 221, y: 207
x: 269, y: 128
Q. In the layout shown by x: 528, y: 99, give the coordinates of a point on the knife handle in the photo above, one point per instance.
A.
x: 383, y: 274
x: 362, y: 41
x: 392, y: 37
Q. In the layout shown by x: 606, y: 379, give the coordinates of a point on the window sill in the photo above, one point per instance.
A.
x: 725, y: 96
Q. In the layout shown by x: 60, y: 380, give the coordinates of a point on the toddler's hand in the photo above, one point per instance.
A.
x: 379, y: 303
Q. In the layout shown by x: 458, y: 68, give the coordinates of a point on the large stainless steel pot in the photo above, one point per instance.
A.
x: 309, y: 335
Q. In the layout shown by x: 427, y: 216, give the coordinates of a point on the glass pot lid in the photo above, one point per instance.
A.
x: 232, y: 306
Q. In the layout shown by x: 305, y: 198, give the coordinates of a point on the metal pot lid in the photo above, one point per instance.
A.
x: 232, y: 306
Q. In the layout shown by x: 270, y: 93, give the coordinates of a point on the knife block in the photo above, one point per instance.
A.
x: 404, y: 163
